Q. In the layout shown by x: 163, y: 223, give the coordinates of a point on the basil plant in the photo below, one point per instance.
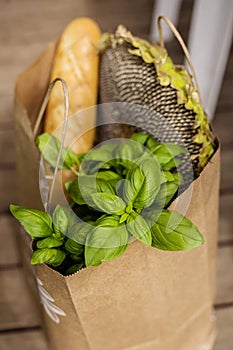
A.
x: 120, y: 193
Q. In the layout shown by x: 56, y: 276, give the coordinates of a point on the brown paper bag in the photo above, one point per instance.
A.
x: 145, y: 299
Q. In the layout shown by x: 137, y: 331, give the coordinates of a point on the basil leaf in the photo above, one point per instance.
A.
x: 36, y: 223
x: 74, y: 268
x: 105, y: 243
x: 75, y: 226
x: 166, y: 193
x: 81, y: 188
x: 101, y: 153
x: 108, y: 221
x: 151, y: 143
x: 127, y: 152
x: 139, y: 137
x: 78, y: 258
x: 60, y: 220
x: 172, y: 231
x: 166, y: 152
x: 105, y: 186
x: 53, y: 257
x: 151, y: 214
x: 49, y: 147
x: 139, y: 228
x: 91, y: 167
x: 80, y: 232
x: 167, y: 176
x: 125, y: 190
x: 73, y: 190
x: 136, y: 178
x: 109, y: 203
x: 108, y: 176
x: 73, y: 247
x: 151, y: 185
x: 178, y: 178
x: 49, y: 242
x: 86, y: 214
x: 98, y: 158
x: 170, y: 150
x: 173, y: 163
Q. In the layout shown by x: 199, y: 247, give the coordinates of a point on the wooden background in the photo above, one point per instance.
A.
x: 26, y: 27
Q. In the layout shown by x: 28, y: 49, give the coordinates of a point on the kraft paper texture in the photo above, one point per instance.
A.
x: 146, y: 299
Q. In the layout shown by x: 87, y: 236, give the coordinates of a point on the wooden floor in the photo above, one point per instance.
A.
x: 26, y: 27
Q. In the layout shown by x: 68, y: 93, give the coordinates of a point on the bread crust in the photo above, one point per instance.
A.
x: 76, y: 61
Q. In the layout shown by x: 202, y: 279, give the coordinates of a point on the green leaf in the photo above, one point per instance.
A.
x: 108, y: 175
x: 91, y: 167
x: 73, y: 247
x: 105, y: 186
x: 36, y: 223
x: 102, y: 153
x: 109, y: 203
x: 173, y: 163
x: 166, y: 152
x: 82, y: 188
x: 60, y: 220
x: 98, y: 158
x: 139, y: 228
x: 152, y: 144
x: 126, y: 191
x: 136, y: 178
x: 49, y: 242
x: 128, y: 151
x: 49, y: 147
x: 172, y: 231
x: 53, y: 257
x: 108, y: 221
x: 123, y: 218
x: 74, y: 223
x: 151, y: 185
x: 86, y: 214
x: 139, y: 137
x: 74, y: 268
x: 105, y: 243
x: 169, y: 187
x: 73, y: 190
x: 166, y: 193
x: 79, y: 258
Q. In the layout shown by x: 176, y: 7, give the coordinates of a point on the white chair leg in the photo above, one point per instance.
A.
x: 169, y: 8
x: 209, y: 45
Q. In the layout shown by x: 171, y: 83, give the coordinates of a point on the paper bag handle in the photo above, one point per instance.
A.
x: 182, y: 44
x: 37, y: 125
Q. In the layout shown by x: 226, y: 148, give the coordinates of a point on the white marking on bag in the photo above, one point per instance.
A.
x: 47, y: 301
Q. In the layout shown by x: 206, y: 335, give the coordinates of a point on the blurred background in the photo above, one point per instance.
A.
x: 26, y: 28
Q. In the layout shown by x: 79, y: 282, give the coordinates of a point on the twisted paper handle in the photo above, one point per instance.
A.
x: 37, y: 125
x: 182, y: 44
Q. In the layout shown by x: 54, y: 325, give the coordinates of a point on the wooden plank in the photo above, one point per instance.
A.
x: 226, y: 170
x: 22, y: 47
x: 225, y: 326
x: 225, y: 102
x: 223, y: 127
x: 10, y: 254
x: 226, y: 222
x: 224, y: 275
x: 18, y: 308
x: 26, y: 340
x: 8, y: 188
x: 7, y: 146
x: 6, y: 110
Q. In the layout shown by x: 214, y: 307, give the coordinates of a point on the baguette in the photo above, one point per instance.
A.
x: 76, y: 61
